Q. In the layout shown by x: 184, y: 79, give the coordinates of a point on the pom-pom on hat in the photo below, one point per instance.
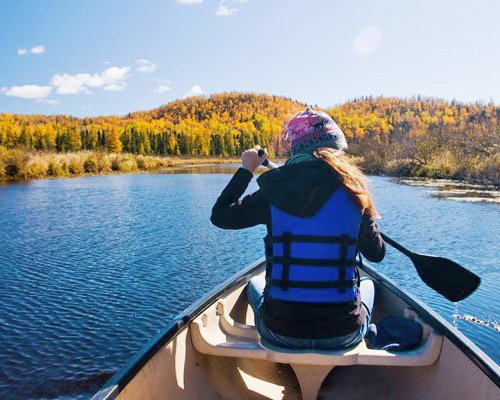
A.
x: 311, y: 129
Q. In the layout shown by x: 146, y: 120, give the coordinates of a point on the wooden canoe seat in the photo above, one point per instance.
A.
x: 214, y: 332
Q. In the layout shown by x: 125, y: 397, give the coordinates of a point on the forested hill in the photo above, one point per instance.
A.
x: 226, y: 107
x: 225, y: 124
x: 424, y: 137
x: 222, y: 124
x: 417, y: 136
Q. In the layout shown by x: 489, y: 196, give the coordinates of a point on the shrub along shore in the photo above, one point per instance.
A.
x: 18, y: 165
x: 23, y: 164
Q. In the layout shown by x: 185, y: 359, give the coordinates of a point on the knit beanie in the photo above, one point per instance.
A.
x: 311, y: 129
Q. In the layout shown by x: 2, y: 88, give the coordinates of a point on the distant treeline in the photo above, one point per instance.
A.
x: 409, y: 137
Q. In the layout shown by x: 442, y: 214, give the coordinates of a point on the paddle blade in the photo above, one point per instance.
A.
x: 446, y: 276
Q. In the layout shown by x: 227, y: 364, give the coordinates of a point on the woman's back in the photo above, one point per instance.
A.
x: 318, y: 213
x: 312, y: 259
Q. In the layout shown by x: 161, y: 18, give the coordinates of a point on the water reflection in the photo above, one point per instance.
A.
x: 453, y: 190
x: 207, y: 169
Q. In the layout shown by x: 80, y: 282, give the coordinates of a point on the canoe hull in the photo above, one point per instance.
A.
x: 169, y: 367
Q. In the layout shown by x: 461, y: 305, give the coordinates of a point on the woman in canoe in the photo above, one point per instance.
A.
x: 319, y: 213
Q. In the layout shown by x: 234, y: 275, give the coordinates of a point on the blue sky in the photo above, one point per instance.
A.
x: 114, y: 56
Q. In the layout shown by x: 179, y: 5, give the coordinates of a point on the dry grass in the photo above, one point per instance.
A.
x: 16, y: 164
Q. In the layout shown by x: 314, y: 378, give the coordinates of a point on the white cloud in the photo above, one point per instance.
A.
x: 116, y: 87
x: 367, y: 41
x: 50, y: 102
x: 112, y: 78
x: 224, y: 11
x: 40, y: 49
x: 110, y: 75
x: 189, y: 2
x: 71, y: 84
x: 31, y: 92
x: 195, y: 90
x: 145, y: 66
x: 163, y: 88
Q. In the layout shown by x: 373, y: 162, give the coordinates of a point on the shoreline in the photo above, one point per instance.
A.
x: 28, y: 166
x: 19, y: 167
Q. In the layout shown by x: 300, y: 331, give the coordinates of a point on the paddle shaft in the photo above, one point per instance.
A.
x: 397, y: 246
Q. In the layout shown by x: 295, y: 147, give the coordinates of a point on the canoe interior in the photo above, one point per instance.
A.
x: 178, y: 371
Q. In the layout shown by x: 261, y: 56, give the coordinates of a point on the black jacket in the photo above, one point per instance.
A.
x: 299, y: 189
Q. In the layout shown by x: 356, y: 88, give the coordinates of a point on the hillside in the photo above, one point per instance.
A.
x: 424, y: 137
x: 410, y: 137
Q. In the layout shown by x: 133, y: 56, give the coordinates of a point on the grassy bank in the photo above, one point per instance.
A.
x: 445, y: 165
x: 17, y: 164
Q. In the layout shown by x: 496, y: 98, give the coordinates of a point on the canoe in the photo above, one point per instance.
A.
x: 212, y: 351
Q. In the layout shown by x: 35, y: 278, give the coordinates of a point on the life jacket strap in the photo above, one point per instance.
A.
x: 312, y: 262
x: 268, y: 246
x: 286, y: 260
x: 343, y: 262
x: 310, y: 239
x: 312, y: 285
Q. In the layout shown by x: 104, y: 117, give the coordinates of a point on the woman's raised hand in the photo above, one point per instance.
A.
x: 251, y: 160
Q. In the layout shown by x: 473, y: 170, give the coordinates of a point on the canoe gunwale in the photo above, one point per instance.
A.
x: 115, y: 385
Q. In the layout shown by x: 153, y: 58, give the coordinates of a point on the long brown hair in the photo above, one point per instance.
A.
x: 351, y: 178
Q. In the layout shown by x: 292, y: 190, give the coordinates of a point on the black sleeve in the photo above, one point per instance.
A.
x: 370, y: 243
x: 231, y: 213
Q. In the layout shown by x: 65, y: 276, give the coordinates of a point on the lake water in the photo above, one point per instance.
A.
x: 91, y: 268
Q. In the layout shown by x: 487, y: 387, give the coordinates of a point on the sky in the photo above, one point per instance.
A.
x: 111, y: 57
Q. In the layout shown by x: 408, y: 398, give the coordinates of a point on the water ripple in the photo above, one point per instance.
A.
x: 91, y: 268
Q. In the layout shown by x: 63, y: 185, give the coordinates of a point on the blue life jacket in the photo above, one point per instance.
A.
x: 313, y: 259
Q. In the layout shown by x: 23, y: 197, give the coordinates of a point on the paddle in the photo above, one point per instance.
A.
x: 266, y: 162
x: 441, y: 274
